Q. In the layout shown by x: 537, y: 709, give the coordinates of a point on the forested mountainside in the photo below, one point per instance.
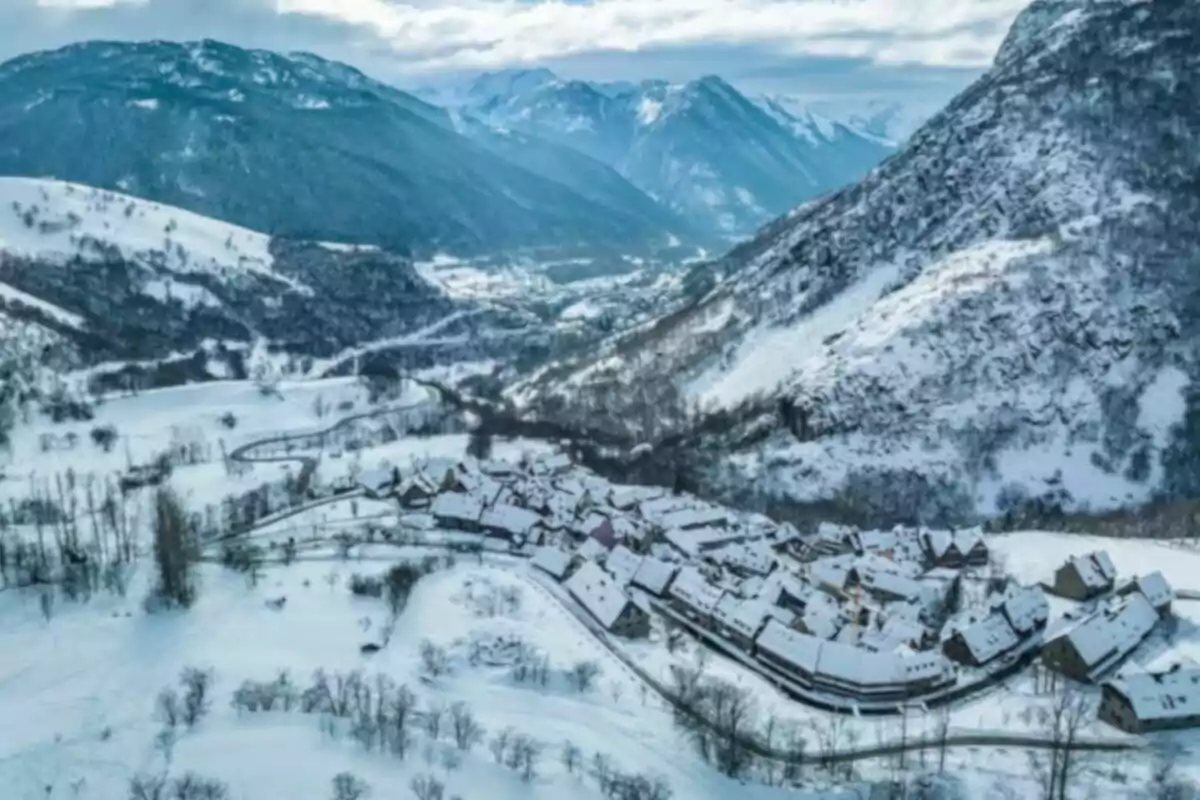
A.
x: 1004, y: 313
x: 301, y: 147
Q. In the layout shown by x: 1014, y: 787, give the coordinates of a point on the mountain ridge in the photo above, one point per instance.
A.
x: 297, y: 146
x: 999, y: 315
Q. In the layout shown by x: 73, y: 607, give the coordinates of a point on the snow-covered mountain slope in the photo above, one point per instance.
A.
x: 701, y: 148
x: 88, y: 275
x: 293, y: 145
x: 885, y: 122
x: 1003, y: 312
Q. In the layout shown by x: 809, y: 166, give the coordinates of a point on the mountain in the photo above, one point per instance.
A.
x: 89, y: 276
x: 1001, y: 317
x: 703, y: 149
x: 839, y: 124
x: 295, y: 146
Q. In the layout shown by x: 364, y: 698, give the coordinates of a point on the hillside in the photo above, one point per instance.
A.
x: 295, y: 146
x: 1002, y: 316
x: 97, y: 276
x: 703, y: 149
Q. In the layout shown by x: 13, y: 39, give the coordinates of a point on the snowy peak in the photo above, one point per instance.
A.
x: 999, y: 318
x: 701, y: 148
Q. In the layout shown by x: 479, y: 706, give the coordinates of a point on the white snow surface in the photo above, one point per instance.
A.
x: 64, y: 213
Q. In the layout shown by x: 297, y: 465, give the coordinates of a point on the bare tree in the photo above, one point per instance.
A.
x: 434, y: 716
x: 571, y: 757
x: 400, y: 709
x: 583, y: 675
x: 196, y: 701
x: 427, y: 787
x: 942, y: 735
x: 602, y: 772
x: 168, y: 708
x: 466, y: 729
x: 499, y: 743
x: 347, y: 786
x: 523, y: 755
x: 173, y: 551
x: 1062, y: 722
x: 434, y: 660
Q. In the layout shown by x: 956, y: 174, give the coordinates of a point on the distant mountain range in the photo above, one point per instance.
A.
x: 297, y: 146
x: 300, y: 147
x: 719, y: 159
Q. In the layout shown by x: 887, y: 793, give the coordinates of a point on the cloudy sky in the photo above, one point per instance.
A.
x: 920, y: 50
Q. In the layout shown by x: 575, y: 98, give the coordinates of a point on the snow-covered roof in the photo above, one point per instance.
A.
x: 831, y: 571
x: 988, y: 638
x: 744, y: 616
x: 750, y: 556
x: 1025, y: 606
x: 376, y: 480
x: 598, y: 592
x: 968, y: 539
x: 889, y: 583
x: 552, y: 560
x: 628, y: 528
x: 696, y: 540
x: 833, y: 532
x: 513, y: 519
x: 846, y: 663
x: 622, y: 563
x: 780, y: 583
x: 937, y: 542
x: 1161, y: 695
x: 557, y: 462
x: 1155, y: 587
x: 498, y: 469
x: 592, y: 549
x: 692, y: 589
x: 822, y: 616
x: 654, y: 574
x: 627, y: 498
x: 688, y: 518
x: 657, y: 507
x: 457, y: 506
x: 1095, y: 569
x: 1112, y: 632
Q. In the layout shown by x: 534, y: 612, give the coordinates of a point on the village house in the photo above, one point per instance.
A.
x: 378, y: 483
x: 1156, y: 589
x: 1102, y: 640
x: 1152, y: 701
x: 599, y: 594
x: 622, y: 563
x: 783, y: 588
x: 517, y: 524
x: 693, y: 596
x: 554, y: 561
x: 557, y: 464
x: 895, y: 632
x: 885, y: 586
x: 500, y: 470
x: 849, y: 670
x: 695, y: 541
x: 654, y: 575
x: 981, y: 641
x: 823, y: 616
x: 745, y: 558
x: 1025, y: 608
x: 740, y: 620
x: 687, y: 519
x: 457, y: 511
x: 1085, y: 577
x: 416, y: 491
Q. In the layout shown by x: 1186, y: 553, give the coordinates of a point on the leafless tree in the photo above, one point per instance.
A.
x: 1062, y: 721
x: 427, y: 787
x: 173, y: 551
x: 500, y: 743
x: 196, y: 702
x: 583, y: 675
x: 571, y: 757
x: 941, y: 732
x: 523, y: 754
x: 466, y: 729
x: 168, y: 708
x: 435, y: 715
x: 347, y: 786
x: 602, y: 772
x: 434, y: 660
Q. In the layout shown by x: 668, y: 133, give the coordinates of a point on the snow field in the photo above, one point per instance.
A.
x: 78, y: 691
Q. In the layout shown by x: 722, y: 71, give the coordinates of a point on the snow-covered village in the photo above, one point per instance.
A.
x: 540, y: 630
x: 599, y: 400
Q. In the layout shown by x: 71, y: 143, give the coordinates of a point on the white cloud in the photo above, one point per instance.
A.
x: 492, y: 33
